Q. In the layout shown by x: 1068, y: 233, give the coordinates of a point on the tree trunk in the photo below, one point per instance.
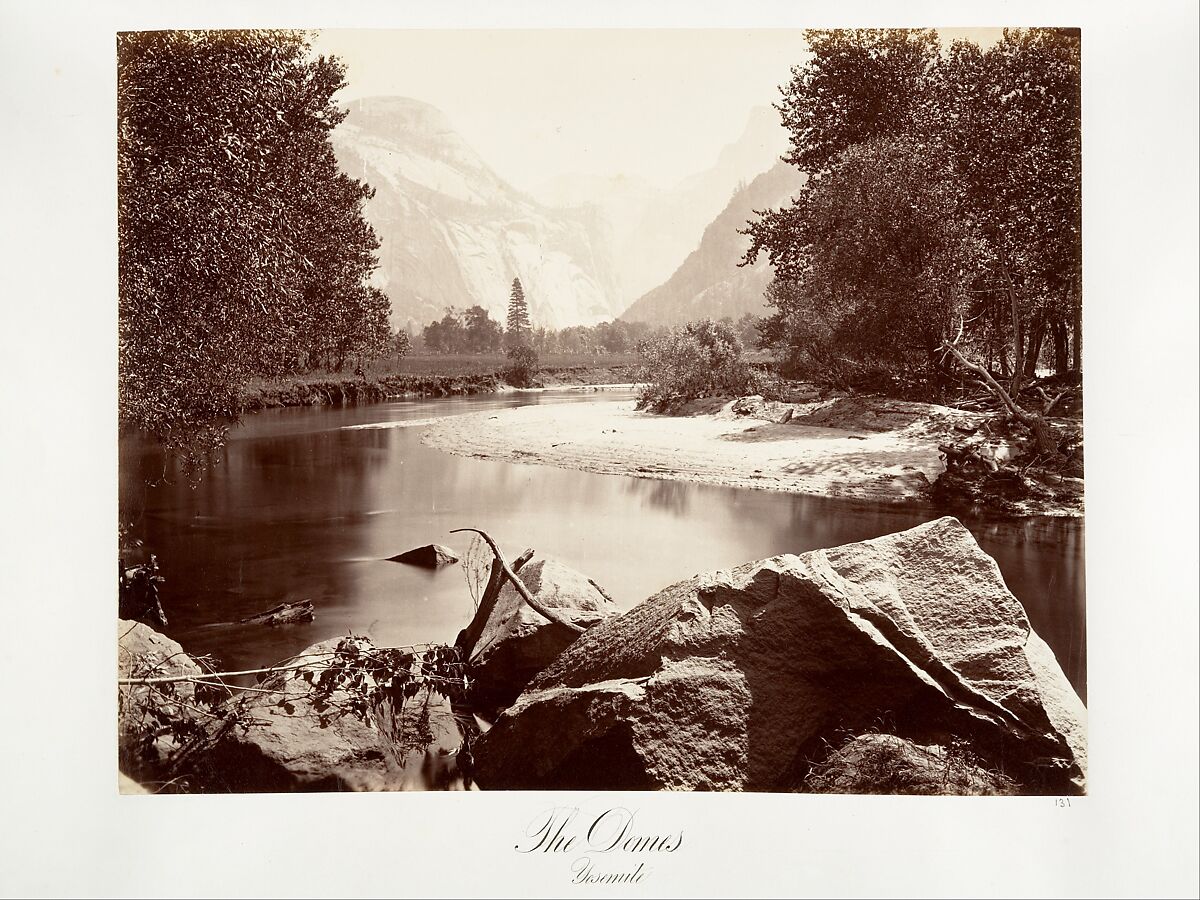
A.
x: 1058, y: 330
x: 1077, y: 360
x: 1034, y: 351
x: 935, y: 372
x: 1043, y: 434
x: 520, y: 585
x: 1018, y: 333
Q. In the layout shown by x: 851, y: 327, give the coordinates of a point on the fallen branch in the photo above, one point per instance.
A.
x: 1051, y: 402
x: 518, y: 584
x: 470, y: 635
x: 603, y: 593
x: 1042, y: 435
x: 283, y: 614
x: 313, y: 660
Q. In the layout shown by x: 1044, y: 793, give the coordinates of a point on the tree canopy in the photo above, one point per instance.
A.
x: 242, y: 248
x: 945, y: 191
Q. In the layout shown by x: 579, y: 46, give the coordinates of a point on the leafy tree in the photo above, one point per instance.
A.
x: 945, y: 189
x: 482, y: 334
x: 523, y: 365
x: 1012, y: 127
x: 748, y: 331
x: 861, y: 83
x: 242, y: 248
x: 700, y: 359
x: 446, y: 335
x: 614, y: 337
x: 877, y: 258
x: 401, y: 344
x: 519, y: 327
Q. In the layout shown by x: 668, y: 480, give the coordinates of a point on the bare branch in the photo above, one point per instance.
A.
x: 518, y: 584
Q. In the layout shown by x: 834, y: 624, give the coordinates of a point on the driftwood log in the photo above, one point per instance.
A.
x: 506, y: 571
x: 1043, y: 434
x: 470, y: 635
x: 283, y: 614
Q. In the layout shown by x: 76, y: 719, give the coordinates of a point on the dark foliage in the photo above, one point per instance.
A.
x: 945, y: 194
x: 519, y: 326
x: 522, y: 369
x: 700, y: 359
x: 242, y: 247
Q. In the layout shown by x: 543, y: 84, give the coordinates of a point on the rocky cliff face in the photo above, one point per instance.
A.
x: 453, y: 233
x: 709, y: 283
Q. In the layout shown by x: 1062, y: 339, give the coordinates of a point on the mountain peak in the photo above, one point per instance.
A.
x: 762, y: 142
x: 453, y: 233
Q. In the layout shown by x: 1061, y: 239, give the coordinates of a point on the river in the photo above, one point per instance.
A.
x: 308, y: 503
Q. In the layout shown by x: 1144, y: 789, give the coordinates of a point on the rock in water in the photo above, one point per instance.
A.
x: 731, y: 681
x: 516, y: 642
x: 431, y: 556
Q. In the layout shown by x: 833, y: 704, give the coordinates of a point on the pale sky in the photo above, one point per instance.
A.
x: 659, y: 104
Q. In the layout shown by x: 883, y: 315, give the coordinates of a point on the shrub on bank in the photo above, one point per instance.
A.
x: 700, y: 359
x: 876, y: 763
x: 522, y: 365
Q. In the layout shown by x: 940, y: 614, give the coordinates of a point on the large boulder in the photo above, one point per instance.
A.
x: 737, y: 680
x: 152, y: 719
x: 277, y: 737
x: 512, y: 642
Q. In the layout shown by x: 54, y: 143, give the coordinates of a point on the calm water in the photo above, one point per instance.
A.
x: 304, y: 505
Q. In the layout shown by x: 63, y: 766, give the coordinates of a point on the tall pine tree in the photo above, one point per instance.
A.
x: 518, y: 316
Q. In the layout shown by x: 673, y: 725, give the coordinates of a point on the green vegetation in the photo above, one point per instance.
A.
x: 517, y: 332
x: 700, y: 359
x: 522, y: 366
x: 473, y: 331
x: 522, y: 358
x: 439, y: 375
x: 242, y: 248
x: 943, y: 207
x: 876, y: 763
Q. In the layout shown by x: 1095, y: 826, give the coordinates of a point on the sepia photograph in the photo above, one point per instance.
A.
x: 465, y: 445
x: 606, y: 450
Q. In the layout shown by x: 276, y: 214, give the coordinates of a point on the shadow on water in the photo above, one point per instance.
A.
x: 302, y: 507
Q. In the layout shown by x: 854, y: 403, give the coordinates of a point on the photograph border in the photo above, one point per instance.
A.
x: 1135, y: 833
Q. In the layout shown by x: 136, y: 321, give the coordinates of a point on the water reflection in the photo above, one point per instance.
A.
x: 669, y: 496
x: 301, y: 508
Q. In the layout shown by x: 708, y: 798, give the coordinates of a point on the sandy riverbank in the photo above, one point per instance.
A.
x: 873, y: 449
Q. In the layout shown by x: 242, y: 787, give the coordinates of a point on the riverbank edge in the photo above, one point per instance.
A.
x: 510, y: 436
x: 350, y: 389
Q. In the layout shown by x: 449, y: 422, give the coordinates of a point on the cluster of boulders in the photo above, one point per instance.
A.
x: 745, y: 679
x: 738, y: 680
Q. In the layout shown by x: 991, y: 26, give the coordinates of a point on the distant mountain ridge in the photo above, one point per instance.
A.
x: 453, y: 233
x: 653, y: 229
x: 710, y: 283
